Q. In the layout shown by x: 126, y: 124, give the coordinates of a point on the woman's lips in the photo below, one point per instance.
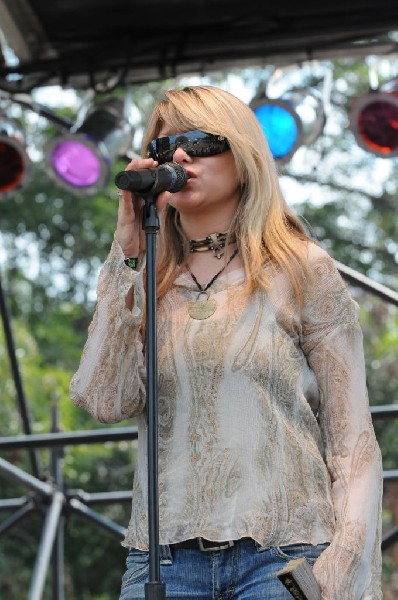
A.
x: 191, y: 174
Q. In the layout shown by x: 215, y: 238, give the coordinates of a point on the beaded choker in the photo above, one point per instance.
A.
x: 214, y: 242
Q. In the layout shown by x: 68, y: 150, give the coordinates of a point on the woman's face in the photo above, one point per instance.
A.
x: 212, y: 185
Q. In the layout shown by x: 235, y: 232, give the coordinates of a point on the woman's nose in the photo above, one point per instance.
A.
x: 180, y: 155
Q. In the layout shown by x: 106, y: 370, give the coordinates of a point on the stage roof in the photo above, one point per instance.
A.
x: 100, y: 43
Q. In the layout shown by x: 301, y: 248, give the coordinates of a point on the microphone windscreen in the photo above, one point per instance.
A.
x: 178, y: 174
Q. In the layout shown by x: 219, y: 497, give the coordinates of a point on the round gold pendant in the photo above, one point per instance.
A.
x: 202, y: 309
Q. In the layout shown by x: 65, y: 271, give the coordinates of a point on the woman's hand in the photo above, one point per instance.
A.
x: 129, y: 231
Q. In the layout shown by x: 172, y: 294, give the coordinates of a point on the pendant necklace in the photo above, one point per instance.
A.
x: 203, y: 308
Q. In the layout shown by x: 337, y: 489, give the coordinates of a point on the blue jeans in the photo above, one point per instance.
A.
x: 243, y: 572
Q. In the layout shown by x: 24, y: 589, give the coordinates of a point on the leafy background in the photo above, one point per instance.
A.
x: 51, y: 247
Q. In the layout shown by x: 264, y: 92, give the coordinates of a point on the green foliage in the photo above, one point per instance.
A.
x: 103, y: 467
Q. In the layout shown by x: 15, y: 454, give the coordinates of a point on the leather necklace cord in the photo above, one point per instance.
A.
x: 202, y: 288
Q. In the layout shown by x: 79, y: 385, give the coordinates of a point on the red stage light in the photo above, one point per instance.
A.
x: 374, y: 120
x: 14, y: 163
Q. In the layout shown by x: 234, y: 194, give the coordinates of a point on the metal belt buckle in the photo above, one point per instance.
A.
x: 223, y: 546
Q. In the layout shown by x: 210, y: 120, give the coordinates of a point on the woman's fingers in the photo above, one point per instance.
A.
x: 141, y: 163
x: 128, y: 231
x: 162, y: 200
x: 135, y: 165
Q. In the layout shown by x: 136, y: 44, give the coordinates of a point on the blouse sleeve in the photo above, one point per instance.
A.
x: 350, y: 568
x: 110, y: 380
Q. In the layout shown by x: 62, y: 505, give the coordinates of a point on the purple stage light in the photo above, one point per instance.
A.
x: 76, y: 163
x: 79, y: 159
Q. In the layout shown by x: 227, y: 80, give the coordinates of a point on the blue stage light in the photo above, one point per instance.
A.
x: 297, y: 118
x: 280, y: 128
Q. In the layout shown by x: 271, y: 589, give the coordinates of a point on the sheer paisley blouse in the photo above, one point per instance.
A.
x: 264, y: 423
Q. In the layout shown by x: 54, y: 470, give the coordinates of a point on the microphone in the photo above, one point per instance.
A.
x: 170, y: 177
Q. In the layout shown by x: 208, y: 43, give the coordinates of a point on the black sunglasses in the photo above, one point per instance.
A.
x: 194, y: 143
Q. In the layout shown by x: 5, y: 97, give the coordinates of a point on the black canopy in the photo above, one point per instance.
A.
x: 96, y: 43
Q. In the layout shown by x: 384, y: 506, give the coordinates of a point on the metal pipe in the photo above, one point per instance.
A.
x: 390, y: 475
x: 26, y: 101
x: 58, y: 563
x: 57, y: 559
x: 389, y: 539
x: 69, y: 438
x: 21, y: 400
x: 20, y: 514
x: 17, y: 474
x: 100, y: 497
x: 96, y: 518
x: 377, y: 289
x: 11, y: 503
x: 388, y: 411
x: 46, y: 545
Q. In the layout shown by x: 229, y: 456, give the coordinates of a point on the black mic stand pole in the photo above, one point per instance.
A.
x: 154, y: 589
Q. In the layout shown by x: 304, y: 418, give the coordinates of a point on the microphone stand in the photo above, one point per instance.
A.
x: 171, y: 177
x: 154, y: 589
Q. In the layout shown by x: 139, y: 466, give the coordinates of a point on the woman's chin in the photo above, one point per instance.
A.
x: 186, y: 202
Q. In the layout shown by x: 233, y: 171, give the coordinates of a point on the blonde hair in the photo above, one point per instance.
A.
x: 266, y: 230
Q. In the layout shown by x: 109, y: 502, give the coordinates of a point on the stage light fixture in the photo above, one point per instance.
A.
x: 294, y: 119
x: 374, y: 120
x: 80, y: 159
x: 14, y: 162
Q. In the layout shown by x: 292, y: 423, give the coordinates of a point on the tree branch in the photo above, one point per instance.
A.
x: 383, y: 202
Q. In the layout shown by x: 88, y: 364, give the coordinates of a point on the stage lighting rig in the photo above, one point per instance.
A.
x: 374, y: 120
x: 79, y: 159
x: 14, y: 162
x: 294, y: 119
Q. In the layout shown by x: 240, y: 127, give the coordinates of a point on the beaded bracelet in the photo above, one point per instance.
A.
x: 131, y: 262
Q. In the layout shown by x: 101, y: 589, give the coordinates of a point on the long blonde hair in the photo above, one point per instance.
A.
x: 266, y: 230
